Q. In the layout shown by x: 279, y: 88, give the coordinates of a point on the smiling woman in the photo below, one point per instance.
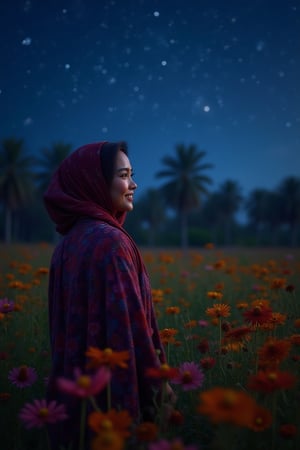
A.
x: 99, y: 290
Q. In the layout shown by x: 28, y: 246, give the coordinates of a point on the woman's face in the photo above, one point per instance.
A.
x: 122, y: 186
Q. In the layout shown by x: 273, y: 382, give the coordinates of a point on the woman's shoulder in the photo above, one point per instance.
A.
x: 104, y: 234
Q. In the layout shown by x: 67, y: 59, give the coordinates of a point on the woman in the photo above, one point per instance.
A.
x: 99, y: 291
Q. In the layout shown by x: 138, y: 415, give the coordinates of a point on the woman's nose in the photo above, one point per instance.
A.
x: 133, y: 184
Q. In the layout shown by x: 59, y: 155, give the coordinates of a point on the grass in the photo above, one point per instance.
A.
x: 185, y: 290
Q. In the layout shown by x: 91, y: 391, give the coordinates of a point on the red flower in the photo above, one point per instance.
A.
x: 176, y: 417
x: 164, y: 372
x: 258, y: 315
x: 203, y: 346
x: 274, y: 351
x: 288, y: 430
x: 207, y: 363
x: 271, y: 381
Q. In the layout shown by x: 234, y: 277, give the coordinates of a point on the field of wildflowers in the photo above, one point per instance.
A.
x: 230, y: 322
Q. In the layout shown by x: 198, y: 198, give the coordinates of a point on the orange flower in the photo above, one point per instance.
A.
x: 164, y: 372
x: 220, y: 264
x: 166, y: 258
x: 218, y: 310
x: 118, y: 421
x: 242, y: 305
x: 42, y: 271
x: 25, y: 268
x: 239, y: 334
x: 157, y: 295
x: 106, y: 357
x: 107, y: 440
x: 278, y: 283
x: 173, y: 310
x: 9, y: 276
x: 297, y: 323
x: 168, y: 335
x: 270, y: 381
x: 146, y: 432
x: 191, y: 324
x: 215, y: 295
x: 261, y: 419
x: 276, y: 319
x: 15, y: 284
x: 226, y: 405
x: 295, y: 339
x: 274, y: 351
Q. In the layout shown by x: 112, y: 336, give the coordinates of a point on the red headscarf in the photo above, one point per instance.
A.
x: 78, y: 189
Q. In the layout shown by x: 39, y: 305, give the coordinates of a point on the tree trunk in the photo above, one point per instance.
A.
x: 184, y: 230
x: 8, y: 226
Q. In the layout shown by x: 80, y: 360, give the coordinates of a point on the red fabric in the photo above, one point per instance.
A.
x: 78, y: 189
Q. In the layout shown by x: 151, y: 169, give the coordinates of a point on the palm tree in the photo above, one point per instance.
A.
x: 264, y: 208
x: 186, y: 181
x: 48, y: 161
x: 151, y: 211
x: 289, y: 189
x: 230, y: 201
x: 15, y: 180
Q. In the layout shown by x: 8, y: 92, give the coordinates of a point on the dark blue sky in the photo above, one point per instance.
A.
x: 223, y: 75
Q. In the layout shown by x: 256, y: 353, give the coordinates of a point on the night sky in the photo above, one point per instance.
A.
x: 223, y: 75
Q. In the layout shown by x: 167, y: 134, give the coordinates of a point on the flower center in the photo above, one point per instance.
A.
x: 257, y: 311
x: 272, y: 376
x: 187, y: 377
x: 43, y: 412
x: 229, y: 399
x: 176, y: 446
x: 106, y: 425
x: 107, y: 351
x: 23, y: 373
x: 84, y: 381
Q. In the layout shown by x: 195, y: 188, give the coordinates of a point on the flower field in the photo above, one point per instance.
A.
x: 230, y: 323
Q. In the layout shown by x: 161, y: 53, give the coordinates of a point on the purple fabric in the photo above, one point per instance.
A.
x: 99, y: 293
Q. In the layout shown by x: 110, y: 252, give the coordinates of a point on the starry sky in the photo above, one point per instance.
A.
x: 223, y: 75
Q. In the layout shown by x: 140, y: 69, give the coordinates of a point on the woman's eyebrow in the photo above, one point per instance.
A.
x: 128, y: 169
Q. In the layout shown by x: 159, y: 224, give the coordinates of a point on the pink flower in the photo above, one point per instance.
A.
x: 22, y: 376
x: 190, y: 376
x: 36, y: 414
x: 203, y: 323
x: 6, y: 306
x: 85, y: 385
x: 167, y: 445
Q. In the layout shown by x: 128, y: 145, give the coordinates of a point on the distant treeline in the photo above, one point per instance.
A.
x: 183, y: 211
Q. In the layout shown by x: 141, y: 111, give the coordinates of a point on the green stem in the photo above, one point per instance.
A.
x: 94, y: 403
x: 220, y: 335
x: 274, y: 409
x: 108, y: 391
x: 82, y: 424
x: 161, y: 413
